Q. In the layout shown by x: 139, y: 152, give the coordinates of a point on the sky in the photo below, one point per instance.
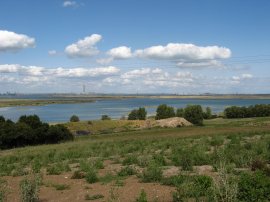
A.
x: 135, y: 46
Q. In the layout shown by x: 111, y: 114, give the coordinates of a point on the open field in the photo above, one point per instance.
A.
x: 117, y: 166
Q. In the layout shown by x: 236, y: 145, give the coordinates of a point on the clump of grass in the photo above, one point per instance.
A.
x: 159, y: 159
x: 127, y: 171
x: 78, y: 175
x: 57, y: 169
x: 153, y: 173
x: 217, y: 140
x: 60, y: 187
x: 107, y: 178
x: 91, y: 176
x: 29, y: 188
x: 93, y: 197
x: 98, y: 164
x: 3, y: 190
x: 142, y: 197
x: 129, y: 160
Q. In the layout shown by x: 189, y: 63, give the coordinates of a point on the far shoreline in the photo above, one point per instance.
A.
x: 15, y: 101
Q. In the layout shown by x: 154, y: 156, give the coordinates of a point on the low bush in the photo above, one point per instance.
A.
x: 137, y: 114
x: 91, y: 176
x: 254, y: 187
x: 105, y: 117
x: 127, y: 171
x: 153, y: 173
x: 260, y: 110
x: 194, y: 114
x: 74, y: 118
x: 29, y: 188
x: 164, y: 111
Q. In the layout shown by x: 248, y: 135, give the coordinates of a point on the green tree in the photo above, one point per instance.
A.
x: 194, y: 114
x: 105, y: 117
x: 180, y: 112
x: 142, y: 113
x: 74, y: 118
x: 164, y: 111
x: 208, y: 113
x: 137, y: 114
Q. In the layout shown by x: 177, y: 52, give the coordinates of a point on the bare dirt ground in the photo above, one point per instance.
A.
x: 79, y: 188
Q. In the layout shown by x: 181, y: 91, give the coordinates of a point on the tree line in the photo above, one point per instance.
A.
x: 259, y: 110
x: 30, y: 130
x: 193, y: 113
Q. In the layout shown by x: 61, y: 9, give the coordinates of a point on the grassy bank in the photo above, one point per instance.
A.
x: 162, y: 158
x: 28, y: 102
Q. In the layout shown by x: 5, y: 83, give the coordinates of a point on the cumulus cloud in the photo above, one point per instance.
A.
x: 35, y: 71
x: 11, y: 41
x: 84, y: 47
x: 186, y: 55
x: 122, y: 52
x: 69, y: 4
x: 9, y: 68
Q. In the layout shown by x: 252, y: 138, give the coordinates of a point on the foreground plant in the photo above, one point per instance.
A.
x: 29, y: 188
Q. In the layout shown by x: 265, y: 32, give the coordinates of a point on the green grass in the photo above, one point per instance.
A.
x: 242, y: 144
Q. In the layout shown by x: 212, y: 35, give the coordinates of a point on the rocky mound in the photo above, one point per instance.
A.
x: 167, y: 123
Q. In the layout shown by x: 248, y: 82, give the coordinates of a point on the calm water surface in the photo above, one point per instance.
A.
x: 117, y: 108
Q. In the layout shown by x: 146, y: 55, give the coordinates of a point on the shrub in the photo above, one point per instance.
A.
x: 129, y: 160
x: 74, y: 118
x: 153, y: 173
x: 142, y: 197
x: 29, y: 130
x: 163, y: 112
x: 105, y: 117
x: 78, y: 175
x: 180, y: 112
x: 194, y: 114
x: 208, y: 113
x: 260, y: 110
x: 29, y: 188
x: 126, y: 171
x: 254, y: 187
x: 91, y: 176
x: 137, y: 114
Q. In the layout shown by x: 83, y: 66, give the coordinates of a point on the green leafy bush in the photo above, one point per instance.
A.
x: 153, y: 173
x: 194, y: 114
x: 137, y: 114
x: 74, y: 118
x: 164, y: 111
x: 105, y: 117
x: 91, y: 176
x: 127, y: 171
x: 29, y: 188
x: 254, y: 187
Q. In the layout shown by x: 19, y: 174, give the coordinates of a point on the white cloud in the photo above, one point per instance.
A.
x: 35, y: 71
x: 11, y: 41
x: 84, y: 47
x: 69, y: 4
x: 242, y: 77
x: 186, y: 55
x: 247, y: 76
x: 121, y: 52
x: 9, y: 68
x: 52, y: 52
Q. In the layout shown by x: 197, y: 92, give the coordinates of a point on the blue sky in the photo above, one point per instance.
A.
x: 130, y: 46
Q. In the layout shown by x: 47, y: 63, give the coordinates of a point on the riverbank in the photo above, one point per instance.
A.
x: 28, y: 102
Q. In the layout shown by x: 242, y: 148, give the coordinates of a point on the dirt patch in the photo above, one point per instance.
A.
x: 78, y: 188
x: 167, y: 123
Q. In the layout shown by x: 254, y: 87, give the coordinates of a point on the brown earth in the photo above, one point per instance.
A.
x: 79, y: 188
